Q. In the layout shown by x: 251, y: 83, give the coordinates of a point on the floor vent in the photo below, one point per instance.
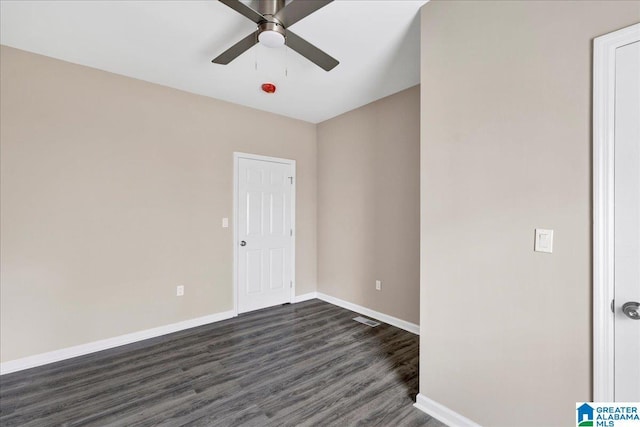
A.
x: 366, y: 321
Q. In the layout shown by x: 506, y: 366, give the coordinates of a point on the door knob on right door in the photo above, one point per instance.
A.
x: 632, y: 310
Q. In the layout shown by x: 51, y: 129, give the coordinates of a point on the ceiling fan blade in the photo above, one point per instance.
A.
x: 243, y: 9
x: 310, y: 52
x: 298, y: 9
x: 236, y: 50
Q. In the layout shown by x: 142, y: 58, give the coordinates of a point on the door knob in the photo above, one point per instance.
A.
x: 243, y: 243
x: 632, y: 310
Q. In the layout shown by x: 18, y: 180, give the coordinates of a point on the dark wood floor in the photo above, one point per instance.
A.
x: 304, y: 364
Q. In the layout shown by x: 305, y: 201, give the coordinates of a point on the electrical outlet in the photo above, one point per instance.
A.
x: 378, y: 285
x: 179, y: 291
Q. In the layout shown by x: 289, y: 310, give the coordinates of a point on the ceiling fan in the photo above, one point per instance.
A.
x: 273, y: 18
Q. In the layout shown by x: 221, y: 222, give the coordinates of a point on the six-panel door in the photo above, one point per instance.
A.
x: 264, y: 225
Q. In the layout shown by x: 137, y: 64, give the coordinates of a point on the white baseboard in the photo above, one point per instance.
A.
x: 442, y: 413
x: 399, y: 323
x: 92, y: 347
x: 305, y: 297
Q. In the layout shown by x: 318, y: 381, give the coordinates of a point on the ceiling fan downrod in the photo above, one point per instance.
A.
x: 268, y: 8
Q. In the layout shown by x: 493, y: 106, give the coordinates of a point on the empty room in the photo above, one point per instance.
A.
x: 320, y: 213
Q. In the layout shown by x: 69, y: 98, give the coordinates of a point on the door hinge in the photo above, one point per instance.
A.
x: 613, y: 307
x: 291, y: 179
x: 291, y: 284
x: 291, y: 232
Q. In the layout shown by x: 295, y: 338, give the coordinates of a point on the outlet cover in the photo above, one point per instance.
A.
x: 378, y: 285
x: 179, y: 291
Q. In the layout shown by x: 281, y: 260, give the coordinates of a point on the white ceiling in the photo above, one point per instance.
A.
x: 172, y: 43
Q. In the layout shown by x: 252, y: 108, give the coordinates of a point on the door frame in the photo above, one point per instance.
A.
x: 236, y: 163
x: 604, y: 57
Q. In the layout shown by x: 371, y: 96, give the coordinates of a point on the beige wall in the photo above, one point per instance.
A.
x: 113, y: 191
x: 368, y: 205
x: 506, y: 143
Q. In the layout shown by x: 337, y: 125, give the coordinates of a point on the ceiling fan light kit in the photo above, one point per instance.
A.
x: 273, y: 19
x: 271, y: 34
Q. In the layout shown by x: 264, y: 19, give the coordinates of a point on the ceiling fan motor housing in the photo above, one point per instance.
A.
x: 271, y: 33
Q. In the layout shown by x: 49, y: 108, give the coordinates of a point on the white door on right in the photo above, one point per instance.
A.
x: 627, y: 224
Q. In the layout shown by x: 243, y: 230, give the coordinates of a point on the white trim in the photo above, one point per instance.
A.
x: 399, y: 323
x: 294, y: 186
x: 305, y: 297
x: 442, y: 413
x: 292, y: 163
x: 604, y: 56
x: 92, y: 347
x: 235, y: 233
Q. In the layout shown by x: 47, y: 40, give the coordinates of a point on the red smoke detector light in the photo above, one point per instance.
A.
x: 268, y: 87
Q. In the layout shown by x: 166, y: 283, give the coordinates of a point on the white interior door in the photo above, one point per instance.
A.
x: 627, y: 223
x: 264, y: 232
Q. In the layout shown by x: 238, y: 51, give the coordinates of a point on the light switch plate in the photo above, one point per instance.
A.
x: 544, y: 240
x: 225, y: 222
